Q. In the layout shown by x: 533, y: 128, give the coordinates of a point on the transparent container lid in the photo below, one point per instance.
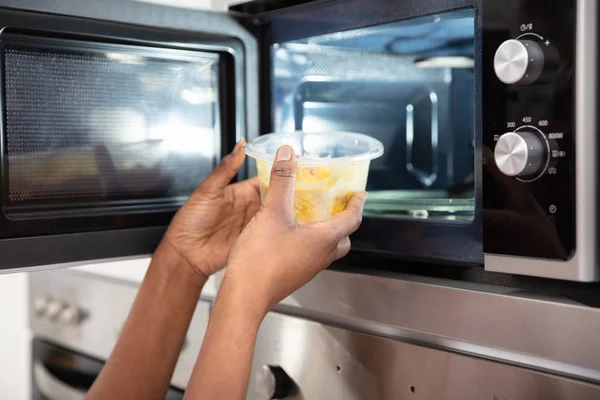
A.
x: 315, y: 149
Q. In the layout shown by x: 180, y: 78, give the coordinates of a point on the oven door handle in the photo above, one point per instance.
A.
x: 53, y: 388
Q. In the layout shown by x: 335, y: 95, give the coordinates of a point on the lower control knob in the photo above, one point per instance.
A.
x: 40, y: 305
x: 70, y: 315
x: 53, y: 309
x: 274, y: 383
x: 520, y: 154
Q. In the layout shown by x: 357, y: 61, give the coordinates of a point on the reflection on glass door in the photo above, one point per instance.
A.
x: 107, y: 126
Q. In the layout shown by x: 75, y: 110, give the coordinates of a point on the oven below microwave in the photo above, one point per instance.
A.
x: 59, y: 373
x: 487, y: 112
x: 76, y: 318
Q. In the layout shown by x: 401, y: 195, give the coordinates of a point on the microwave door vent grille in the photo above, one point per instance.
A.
x: 84, y: 127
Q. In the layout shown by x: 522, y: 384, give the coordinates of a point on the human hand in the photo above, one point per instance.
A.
x: 275, y: 254
x: 205, y: 228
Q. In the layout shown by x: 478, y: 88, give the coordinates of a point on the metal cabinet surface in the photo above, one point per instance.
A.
x: 327, y: 362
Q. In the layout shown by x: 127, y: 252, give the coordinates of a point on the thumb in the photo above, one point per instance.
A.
x: 280, y: 196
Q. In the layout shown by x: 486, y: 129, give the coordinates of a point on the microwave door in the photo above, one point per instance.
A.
x: 112, y: 113
x: 368, y: 66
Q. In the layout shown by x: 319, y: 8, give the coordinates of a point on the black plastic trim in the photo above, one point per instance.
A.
x: 261, y: 7
x: 78, y: 247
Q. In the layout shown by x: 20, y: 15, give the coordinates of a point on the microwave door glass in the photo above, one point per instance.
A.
x: 409, y: 84
x: 106, y: 128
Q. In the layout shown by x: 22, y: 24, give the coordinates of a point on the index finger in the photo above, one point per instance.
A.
x: 347, y: 221
x: 227, y: 169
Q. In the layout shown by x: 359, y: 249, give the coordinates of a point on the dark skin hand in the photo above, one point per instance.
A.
x: 274, y: 256
x: 196, y: 245
x: 206, y: 227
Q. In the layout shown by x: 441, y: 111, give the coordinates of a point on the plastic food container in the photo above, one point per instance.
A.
x: 331, y: 167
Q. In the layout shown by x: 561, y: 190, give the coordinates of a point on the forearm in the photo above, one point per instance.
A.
x: 223, y: 366
x: 143, y: 360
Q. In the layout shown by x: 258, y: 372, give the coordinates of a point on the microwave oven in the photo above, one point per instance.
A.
x: 112, y: 111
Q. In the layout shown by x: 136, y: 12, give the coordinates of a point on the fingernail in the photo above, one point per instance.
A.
x: 239, y: 145
x: 284, y: 153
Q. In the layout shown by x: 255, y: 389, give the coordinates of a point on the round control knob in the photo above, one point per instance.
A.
x: 53, y: 309
x: 274, y: 383
x: 520, y: 154
x: 70, y: 315
x: 519, y: 61
x: 40, y: 304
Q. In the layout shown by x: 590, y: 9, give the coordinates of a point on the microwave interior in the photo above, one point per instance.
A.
x: 411, y: 85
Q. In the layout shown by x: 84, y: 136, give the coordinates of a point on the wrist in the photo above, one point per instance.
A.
x: 167, y: 257
x: 243, y: 298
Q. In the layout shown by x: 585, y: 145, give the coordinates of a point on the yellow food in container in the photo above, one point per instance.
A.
x: 324, y: 183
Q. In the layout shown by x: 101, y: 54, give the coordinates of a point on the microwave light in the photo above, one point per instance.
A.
x: 445, y: 62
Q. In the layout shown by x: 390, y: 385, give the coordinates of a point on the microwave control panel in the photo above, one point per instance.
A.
x: 529, y: 128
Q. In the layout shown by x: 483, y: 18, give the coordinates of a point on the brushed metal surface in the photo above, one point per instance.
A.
x: 511, y: 61
x: 546, y: 336
x: 551, y: 336
x: 519, y: 154
x: 105, y: 304
x: 209, y: 291
x: 583, y: 265
x: 518, y: 61
x: 332, y: 363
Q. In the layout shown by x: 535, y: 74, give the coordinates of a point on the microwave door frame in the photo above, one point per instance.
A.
x: 211, y: 31
x: 410, y: 239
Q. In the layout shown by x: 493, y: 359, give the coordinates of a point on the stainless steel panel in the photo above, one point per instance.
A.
x: 583, y: 266
x: 104, y: 304
x: 331, y: 363
x: 547, y: 335
x: 209, y: 291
